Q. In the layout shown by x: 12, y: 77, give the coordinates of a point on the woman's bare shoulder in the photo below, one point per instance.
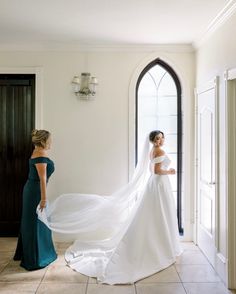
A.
x: 158, y: 152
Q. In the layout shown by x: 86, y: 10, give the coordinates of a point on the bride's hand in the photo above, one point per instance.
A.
x: 172, y: 171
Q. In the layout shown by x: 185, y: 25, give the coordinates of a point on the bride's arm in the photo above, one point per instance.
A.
x: 157, y: 166
x: 159, y: 171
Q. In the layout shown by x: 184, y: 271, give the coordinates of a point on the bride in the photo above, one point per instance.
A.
x: 128, y: 235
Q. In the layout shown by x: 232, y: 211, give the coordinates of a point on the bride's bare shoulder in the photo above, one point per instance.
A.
x: 157, y: 152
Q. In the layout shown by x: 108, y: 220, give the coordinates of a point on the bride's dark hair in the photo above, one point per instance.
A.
x: 153, y: 134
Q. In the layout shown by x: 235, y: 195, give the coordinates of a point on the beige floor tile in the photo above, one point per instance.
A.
x: 167, y: 275
x: 11, y: 288
x: 60, y: 251
x: 62, y: 246
x: 59, y: 261
x: 15, y: 263
x: 92, y: 281
x: 192, y: 257
x: 108, y: 289
x: 5, y: 258
x: 8, y: 244
x: 14, y: 273
x: 161, y: 288
x: 189, y: 246
x: 69, y: 288
x: 197, y: 273
x: 206, y: 288
x: 63, y: 274
x: 2, y: 266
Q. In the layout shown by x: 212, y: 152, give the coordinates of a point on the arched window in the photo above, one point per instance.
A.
x: 158, y: 107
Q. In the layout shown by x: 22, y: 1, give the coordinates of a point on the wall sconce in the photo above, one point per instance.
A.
x: 85, y: 86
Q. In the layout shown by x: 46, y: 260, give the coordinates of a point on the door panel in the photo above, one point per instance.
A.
x: 206, y: 191
x: 206, y: 212
x: 205, y: 137
x: 17, y: 116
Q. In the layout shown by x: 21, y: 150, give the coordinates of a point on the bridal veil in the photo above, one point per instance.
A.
x: 98, y: 221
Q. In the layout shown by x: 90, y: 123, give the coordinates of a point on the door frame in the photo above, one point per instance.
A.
x: 230, y: 157
x: 38, y: 71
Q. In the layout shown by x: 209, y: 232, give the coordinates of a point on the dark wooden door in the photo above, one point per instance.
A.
x: 17, y: 119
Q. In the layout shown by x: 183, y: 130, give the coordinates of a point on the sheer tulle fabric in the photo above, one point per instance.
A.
x: 95, y: 218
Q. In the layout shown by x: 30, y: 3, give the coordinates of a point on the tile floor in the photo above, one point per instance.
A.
x: 191, y: 274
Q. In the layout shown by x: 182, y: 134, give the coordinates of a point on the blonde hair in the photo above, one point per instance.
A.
x: 40, y: 137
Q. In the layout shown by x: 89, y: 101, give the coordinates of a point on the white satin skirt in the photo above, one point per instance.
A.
x: 149, y: 243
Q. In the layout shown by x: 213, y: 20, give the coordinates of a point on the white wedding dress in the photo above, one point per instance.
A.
x: 124, y: 237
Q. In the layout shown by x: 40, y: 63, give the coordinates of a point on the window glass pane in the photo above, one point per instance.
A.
x: 145, y: 126
x: 167, y: 105
x: 167, y: 124
x: 171, y: 143
x: 148, y: 106
x: 173, y: 158
x: 147, y: 87
x: 167, y: 86
x: 157, y: 73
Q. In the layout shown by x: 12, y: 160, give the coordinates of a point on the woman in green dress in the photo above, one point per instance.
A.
x: 35, y: 247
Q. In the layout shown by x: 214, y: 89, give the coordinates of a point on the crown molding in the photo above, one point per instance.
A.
x: 225, y: 14
x: 77, y: 47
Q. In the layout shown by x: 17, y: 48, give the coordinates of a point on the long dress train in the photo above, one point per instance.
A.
x: 150, y: 243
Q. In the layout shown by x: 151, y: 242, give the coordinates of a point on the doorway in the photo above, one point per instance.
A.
x: 17, y: 119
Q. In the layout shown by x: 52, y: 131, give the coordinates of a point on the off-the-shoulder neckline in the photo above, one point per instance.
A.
x: 158, y: 156
x: 39, y: 157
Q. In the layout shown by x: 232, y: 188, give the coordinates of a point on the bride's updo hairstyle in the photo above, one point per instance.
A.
x: 153, y: 135
x: 40, y: 137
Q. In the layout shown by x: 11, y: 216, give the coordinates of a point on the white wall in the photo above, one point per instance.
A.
x: 213, y: 57
x: 91, y: 138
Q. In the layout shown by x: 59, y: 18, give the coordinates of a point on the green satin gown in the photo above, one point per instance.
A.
x: 35, y: 248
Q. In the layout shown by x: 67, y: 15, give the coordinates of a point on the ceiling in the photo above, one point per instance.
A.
x: 106, y: 22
